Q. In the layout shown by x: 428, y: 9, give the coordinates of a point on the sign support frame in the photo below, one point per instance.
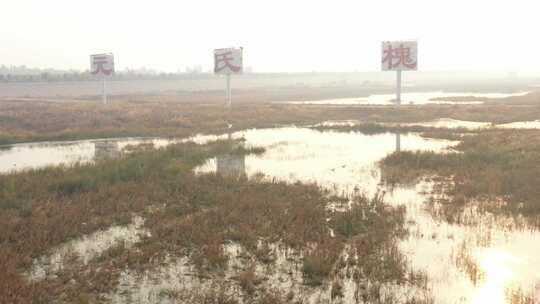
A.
x: 228, y: 61
x: 104, y: 90
x: 399, y: 56
x: 228, y: 92
x: 398, y: 88
x: 102, y: 65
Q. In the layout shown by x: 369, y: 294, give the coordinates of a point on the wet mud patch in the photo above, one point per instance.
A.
x: 86, y: 248
x: 303, y: 260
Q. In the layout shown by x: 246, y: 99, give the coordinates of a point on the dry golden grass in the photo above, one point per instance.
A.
x: 201, y: 112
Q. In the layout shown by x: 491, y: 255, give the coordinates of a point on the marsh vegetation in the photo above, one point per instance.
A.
x: 497, y: 170
x: 195, y: 219
x: 342, y: 213
x: 181, y: 116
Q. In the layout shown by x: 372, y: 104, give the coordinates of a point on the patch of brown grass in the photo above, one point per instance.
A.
x: 171, y: 116
x: 41, y: 209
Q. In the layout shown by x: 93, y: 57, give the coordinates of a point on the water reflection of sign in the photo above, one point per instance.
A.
x: 399, y: 56
x: 398, y: 142
x: 106, y: 150
x: 228, y: 61
x: 102, y: 64
x: 231, y: 164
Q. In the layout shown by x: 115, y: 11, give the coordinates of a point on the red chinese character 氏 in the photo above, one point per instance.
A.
x: 396, y: 57
x: 223, y: 61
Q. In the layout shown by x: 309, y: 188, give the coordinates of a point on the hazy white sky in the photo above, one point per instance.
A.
x: 278, y: 35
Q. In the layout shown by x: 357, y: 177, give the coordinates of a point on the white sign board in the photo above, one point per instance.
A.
x: 228, y: 61
x: 399, y: 56
x: 102, y: 64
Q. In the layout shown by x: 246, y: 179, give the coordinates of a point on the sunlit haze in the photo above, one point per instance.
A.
x: 278, y: 36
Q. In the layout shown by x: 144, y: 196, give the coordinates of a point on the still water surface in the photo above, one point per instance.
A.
x: 38, y: 155
x: 413, y: 98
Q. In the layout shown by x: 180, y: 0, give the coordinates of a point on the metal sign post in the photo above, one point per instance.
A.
x: 399, y: 56
x: 398, y: 89
x: 104, y: 90
x: 102, y: 65
x: 227, y: 62
x: 229, y: 101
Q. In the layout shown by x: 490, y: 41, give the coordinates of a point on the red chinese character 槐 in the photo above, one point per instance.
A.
x: 395, y: 57
x: 223, y: 61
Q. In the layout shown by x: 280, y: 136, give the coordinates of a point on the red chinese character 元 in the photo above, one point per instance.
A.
x: 100, y: 62
x: 225, y: 59
x: 398, y: 56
